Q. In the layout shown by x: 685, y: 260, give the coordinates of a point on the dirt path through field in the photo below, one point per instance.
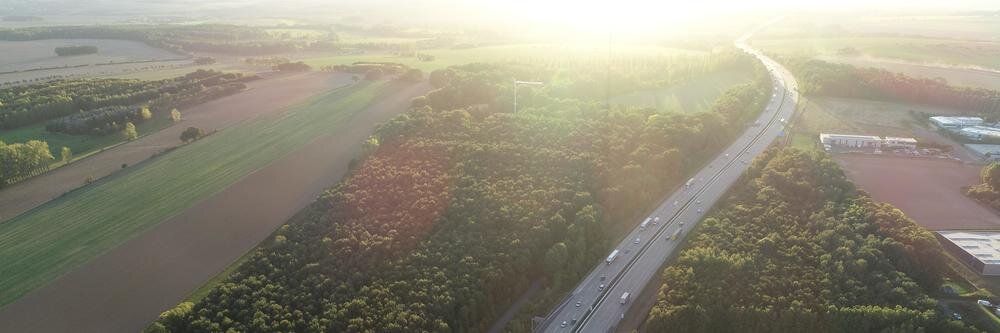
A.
x: 269, y: 95
x: 928, y: 191
x: 127, y: 288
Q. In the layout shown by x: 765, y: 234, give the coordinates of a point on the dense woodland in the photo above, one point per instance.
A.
x: 97, y: 106
x: 798, y: 249
x: 840, y: 80
x: 457, y: 205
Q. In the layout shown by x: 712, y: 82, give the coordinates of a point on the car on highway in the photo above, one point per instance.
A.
x: 636, y: 241
x: 699, y: 210
x: 601, y: 287
x: 564, y: 323
x: 578, y: 303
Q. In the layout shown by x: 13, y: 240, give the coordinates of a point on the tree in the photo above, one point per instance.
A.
x: 130, y: 132
x: 991, y: 176
x: 175, y: 115
x: 67, y: 154
x: 145, y: 113
x: 190, y: 134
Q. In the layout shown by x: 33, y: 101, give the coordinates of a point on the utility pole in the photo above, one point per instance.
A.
x: 516, y: 83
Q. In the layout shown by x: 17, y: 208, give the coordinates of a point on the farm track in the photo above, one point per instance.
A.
x: 263, y: 97
x: 125, y: 289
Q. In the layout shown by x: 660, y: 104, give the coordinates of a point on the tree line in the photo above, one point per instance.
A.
x: 64, y: 51
x: 457, y: 205
x: 817, y: 77
x: 19, y: 161
x: 80, y: 102
x: 797, y: 248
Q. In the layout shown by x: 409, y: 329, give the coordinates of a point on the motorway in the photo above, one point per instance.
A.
x: 595, y: 304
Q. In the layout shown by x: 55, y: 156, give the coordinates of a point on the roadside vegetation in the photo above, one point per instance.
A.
x: 796, y: 248
x: 458, y: 205
x: 818, y: 77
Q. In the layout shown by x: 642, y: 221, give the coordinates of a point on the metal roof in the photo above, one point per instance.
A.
x: 983, y: 245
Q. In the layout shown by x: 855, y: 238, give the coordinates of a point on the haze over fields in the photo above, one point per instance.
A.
x: 499, y: 166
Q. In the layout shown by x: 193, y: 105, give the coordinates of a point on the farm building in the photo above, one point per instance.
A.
x: 955, y: 123
x: 980, y: 250
x: 979, y: 133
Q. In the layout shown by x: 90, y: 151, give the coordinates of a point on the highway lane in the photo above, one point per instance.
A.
x: 594, y: 306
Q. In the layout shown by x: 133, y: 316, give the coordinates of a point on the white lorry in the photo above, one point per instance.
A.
x: 612, y: 256
x: 624, y: 298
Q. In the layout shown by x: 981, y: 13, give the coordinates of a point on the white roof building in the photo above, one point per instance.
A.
x: 956, y: 122
x: 980, y: 250
x: 980, y: 132
x: 865, y: 141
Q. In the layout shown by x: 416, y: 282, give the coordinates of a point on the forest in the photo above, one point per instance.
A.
x: 797, y: 248
x: 817, y: 77
x: 89, y: 106
x: 457, y: 205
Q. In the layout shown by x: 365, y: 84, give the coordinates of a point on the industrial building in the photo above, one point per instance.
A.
x: 980, y: 250
x: 980, y: 133
x: 955, y: 123
x: 852, y: 141
x: 899, y: 143
x: 830, y: 141
x: 988, y: 153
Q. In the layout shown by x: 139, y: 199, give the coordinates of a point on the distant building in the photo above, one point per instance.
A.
x: 865, y: 141
x: 955, y: 123
x: 980, y: 250
x: 989, y: 153
x: 851, y: 141
x: 980, y: 133
x: 899, y: 143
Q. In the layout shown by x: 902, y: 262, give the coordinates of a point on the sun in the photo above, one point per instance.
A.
x: 603, y: 16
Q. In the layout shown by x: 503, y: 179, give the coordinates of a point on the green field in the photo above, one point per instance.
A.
x: 81, y: 145
x: 521, y: 53
x: 44, y: 243
x: 693, y: 95
x: 918, y: 50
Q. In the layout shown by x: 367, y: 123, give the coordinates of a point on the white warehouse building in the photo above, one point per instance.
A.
x: 847, y: 140
x: 955, y: 123
x: 980, y: 250
x: 979, y: 133
x: 866, y: 141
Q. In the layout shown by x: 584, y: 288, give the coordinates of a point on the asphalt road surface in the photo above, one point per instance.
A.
x: 596, y: 305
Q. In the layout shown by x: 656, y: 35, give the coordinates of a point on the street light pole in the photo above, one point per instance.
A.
x: 516, y: 83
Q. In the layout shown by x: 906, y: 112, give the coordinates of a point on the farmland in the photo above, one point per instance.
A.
x: 517, y: 53
x: 48, y: 241
x: 928, y: 191
x: 978, y: 54
x: 694, y: 95
x: 30, y: 55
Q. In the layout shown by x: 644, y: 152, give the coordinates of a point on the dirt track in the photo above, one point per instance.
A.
x: 928, y: 191
x: 125, y: 289
x: 269, y: 95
